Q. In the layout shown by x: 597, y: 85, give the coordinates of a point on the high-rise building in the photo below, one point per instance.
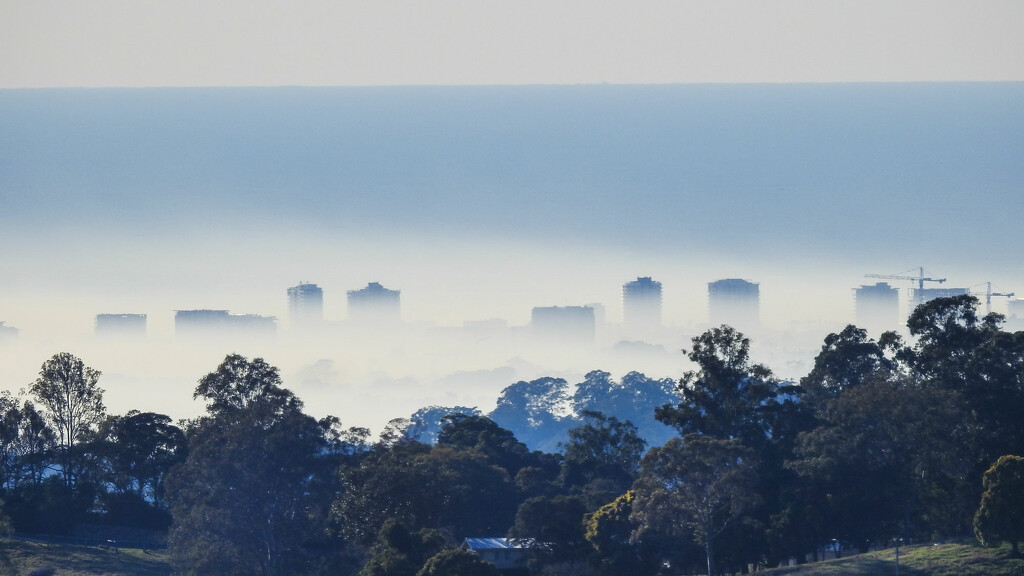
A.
x: 734, y: 302
x: 305, y: 304
x: 206, y: 323
x: 641, y: 303
x: 570, y: 324
x: 120, y: 324
x: 375, y: 304
x: 922, y: 295
x: 877, y: 307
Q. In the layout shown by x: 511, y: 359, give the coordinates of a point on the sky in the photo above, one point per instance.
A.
x: 485, y: 158
x: 104, y: 43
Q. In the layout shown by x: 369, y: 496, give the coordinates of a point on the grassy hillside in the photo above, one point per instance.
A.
x: 20, y: 558
x: 964, y: 558
x: 967, y: 558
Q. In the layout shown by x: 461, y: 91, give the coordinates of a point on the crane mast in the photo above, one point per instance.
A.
x: 918, y: 298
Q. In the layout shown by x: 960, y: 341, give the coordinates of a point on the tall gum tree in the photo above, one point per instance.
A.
x: 69, y: 393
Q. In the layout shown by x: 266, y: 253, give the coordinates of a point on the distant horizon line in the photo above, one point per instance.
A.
x: 507, y: 85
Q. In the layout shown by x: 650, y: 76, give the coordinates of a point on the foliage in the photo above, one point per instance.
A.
x: 727, y: 397
x: 1000, y: 518
x: 603, y: 448
x: 444, y: 487
x: 557, y: 522
x: 427, y: 422
x: 846, y: 360
x: 890, y: 459
x: 399, y: 552
x: 536, y: 410
x: 140, y: 448
x: 68, y: 390
x: 632, y: 399
x: 697, y: 485
x: 244, y: 501
x: 457, y: 562
x: 484, y: 436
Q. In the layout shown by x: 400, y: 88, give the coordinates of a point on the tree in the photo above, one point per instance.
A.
x: 68, y: 391
x: 727, y: 397
x: 484, y: 436
x: 399, y: 552
x: 427, y: 422
x: 633, y: 398
x: 603, y: 448
x: 535, y: 412
x: 696, y: 485
x: 245, y: 501
x: 557, y: 522
x: 846, y: 360
x: 1000, y: 518
x: 444, y: 487
x: 889, y: 458
x: 239, y: 383
x: 958, y: 350
x: 457, y: 562
x: 141, y: 448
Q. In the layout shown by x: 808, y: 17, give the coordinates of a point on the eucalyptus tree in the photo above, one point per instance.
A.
x: 72, y: 400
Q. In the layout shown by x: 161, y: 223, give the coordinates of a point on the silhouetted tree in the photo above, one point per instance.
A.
x: 141, y: 447
x: 535, y: 411
x: 697, y: 485
x: 457, y: 562
x: 67, y: 389
x: 244, y: 500
x: 1000, y: 518
x: 727, y: 397
x: 603, y: 448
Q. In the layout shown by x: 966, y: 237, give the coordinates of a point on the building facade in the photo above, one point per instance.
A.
x: 305, y: 304
x: 218, y: 323
x: 375, y: 304
x: 641, y: 303
x: 734, y: 302
x: 120, y: 324
x: 569, y: 324
x: 877, y: 307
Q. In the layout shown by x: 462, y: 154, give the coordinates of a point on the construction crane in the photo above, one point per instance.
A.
x: 920, y: 279
x: 989, y: 294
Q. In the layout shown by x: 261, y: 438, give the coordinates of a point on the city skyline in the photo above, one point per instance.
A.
x: 881, y: 305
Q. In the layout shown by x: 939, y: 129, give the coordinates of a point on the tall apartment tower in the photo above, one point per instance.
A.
x: 877, y: 307
x: 121, y: 324
x: 305, y: 304
x: 565, y: 324
x: 641, y: 303
x: 375, y: 304
x: 734, y: 302
x: 220, y: 323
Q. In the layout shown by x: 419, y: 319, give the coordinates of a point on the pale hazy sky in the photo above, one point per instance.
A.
x: 61, y: 43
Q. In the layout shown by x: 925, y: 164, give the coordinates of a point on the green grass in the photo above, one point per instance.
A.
x: 964, y: 558
x: 20, y: 557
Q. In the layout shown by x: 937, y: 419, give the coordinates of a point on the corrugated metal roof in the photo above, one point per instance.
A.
x: 501, y: 543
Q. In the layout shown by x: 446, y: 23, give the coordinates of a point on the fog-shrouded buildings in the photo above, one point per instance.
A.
x: 218, y: 323
x: 922, y: 295
x: 374, y: 305
x: 305, y: 304
x: 122, y: 325
x: 567, y: 324
x: 734, y: 302
x: 877, y: 307
x: 641, y: 304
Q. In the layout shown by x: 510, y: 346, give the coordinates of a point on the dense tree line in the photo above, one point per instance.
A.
x: 882, y: 439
